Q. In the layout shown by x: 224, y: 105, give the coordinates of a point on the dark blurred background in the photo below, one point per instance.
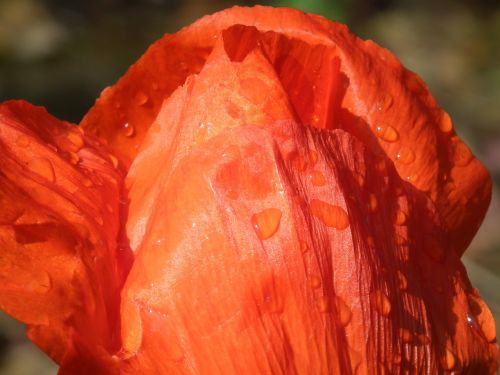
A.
x: 62, y: 53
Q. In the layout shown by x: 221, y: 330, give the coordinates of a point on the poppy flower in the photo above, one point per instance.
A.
x: 261, y: 193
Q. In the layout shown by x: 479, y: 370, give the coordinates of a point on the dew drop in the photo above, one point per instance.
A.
x: 381, y: 167
x: 266, y: 222
x: 114, y: 160
x: 423, y: 339
x: 381, y: 302
x: 400, y: 218
x: 332, y: 216
x: 76, y: 139
x: 314, y: 281
x: 99, y: 220
x: 386, y: 133
x: 43, y: 167
x: 402, y: 281
x: 448, y: 360
x: 322, y: 304
x: 141, y: 98
x: 370, y: 241
x: 487, y: 324
x: 87, y: 182
x: 396, y: 359
x: 304, y: 248
x: 22, y: 141
x: 73, y: 158
x: 298, y: 162
x: 471, y: 320
x: 313, y: 157
x: 372, y: 203
x: 384, y: 102
x: 405, y: 156
x: 128, y: 130
x: 41, y: 283
x: 360, y: 180
x: 413, y: 179
x: 343, y: 311
x: 405, y: 335
x: 445, y: 124
x: 461, y: 155
x: 317, y: 178
x: 484, y: 317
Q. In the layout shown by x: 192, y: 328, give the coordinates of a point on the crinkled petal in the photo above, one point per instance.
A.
x: 60, y: 266
x: 268, y: 245
x: 333, y: 80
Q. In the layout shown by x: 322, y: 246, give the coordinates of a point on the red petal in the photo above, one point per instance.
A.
x: 355, y: 274
x: 60, y: 271
x: 333, y: 80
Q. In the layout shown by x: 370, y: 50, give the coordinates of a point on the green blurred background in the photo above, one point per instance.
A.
x: 61, y: 54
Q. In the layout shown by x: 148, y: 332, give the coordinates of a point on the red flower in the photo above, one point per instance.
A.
x: 262, y: 192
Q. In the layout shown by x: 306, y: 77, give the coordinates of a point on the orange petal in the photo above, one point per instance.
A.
x: 323, y: 69
x: 60, y: 265
x: 205, y: 288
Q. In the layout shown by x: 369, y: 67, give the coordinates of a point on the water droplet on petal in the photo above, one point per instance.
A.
x: 315, y: 282
x: 266, y: 222
x: 304, y: 248
x: 372, y: 203
x: 297, y: 161
x: 384, y: 102
x: 413, y: 179
x: 405, y: 335
x: 461, y: 155
x: 360, y: 180
x: 445, y: 124
x: 423, y: 339
x: 128, y: 130
x: 41, y: 283
x: 448, y: 360
x: 313, y: 157
x: 381, y: 167
x: 87, y: 182
x: 141, y: 98
x: 396, y: 359
x: 73, y: 158
x: 370, y: 241
x: 23, y: 141
x: 114, y: 160
x: 483, y: 315
x: 332, y: 216
x: 42, y: 167
x: 386, y: 133
x: 322, y: 303
x: 317, y: 178
x: 381, y: 302
x: 400, y: 218
x: 402, y: 281
x: 76, y: 139
x: 405, y: 156
x: 99, y: 220
x: 343, y: 311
